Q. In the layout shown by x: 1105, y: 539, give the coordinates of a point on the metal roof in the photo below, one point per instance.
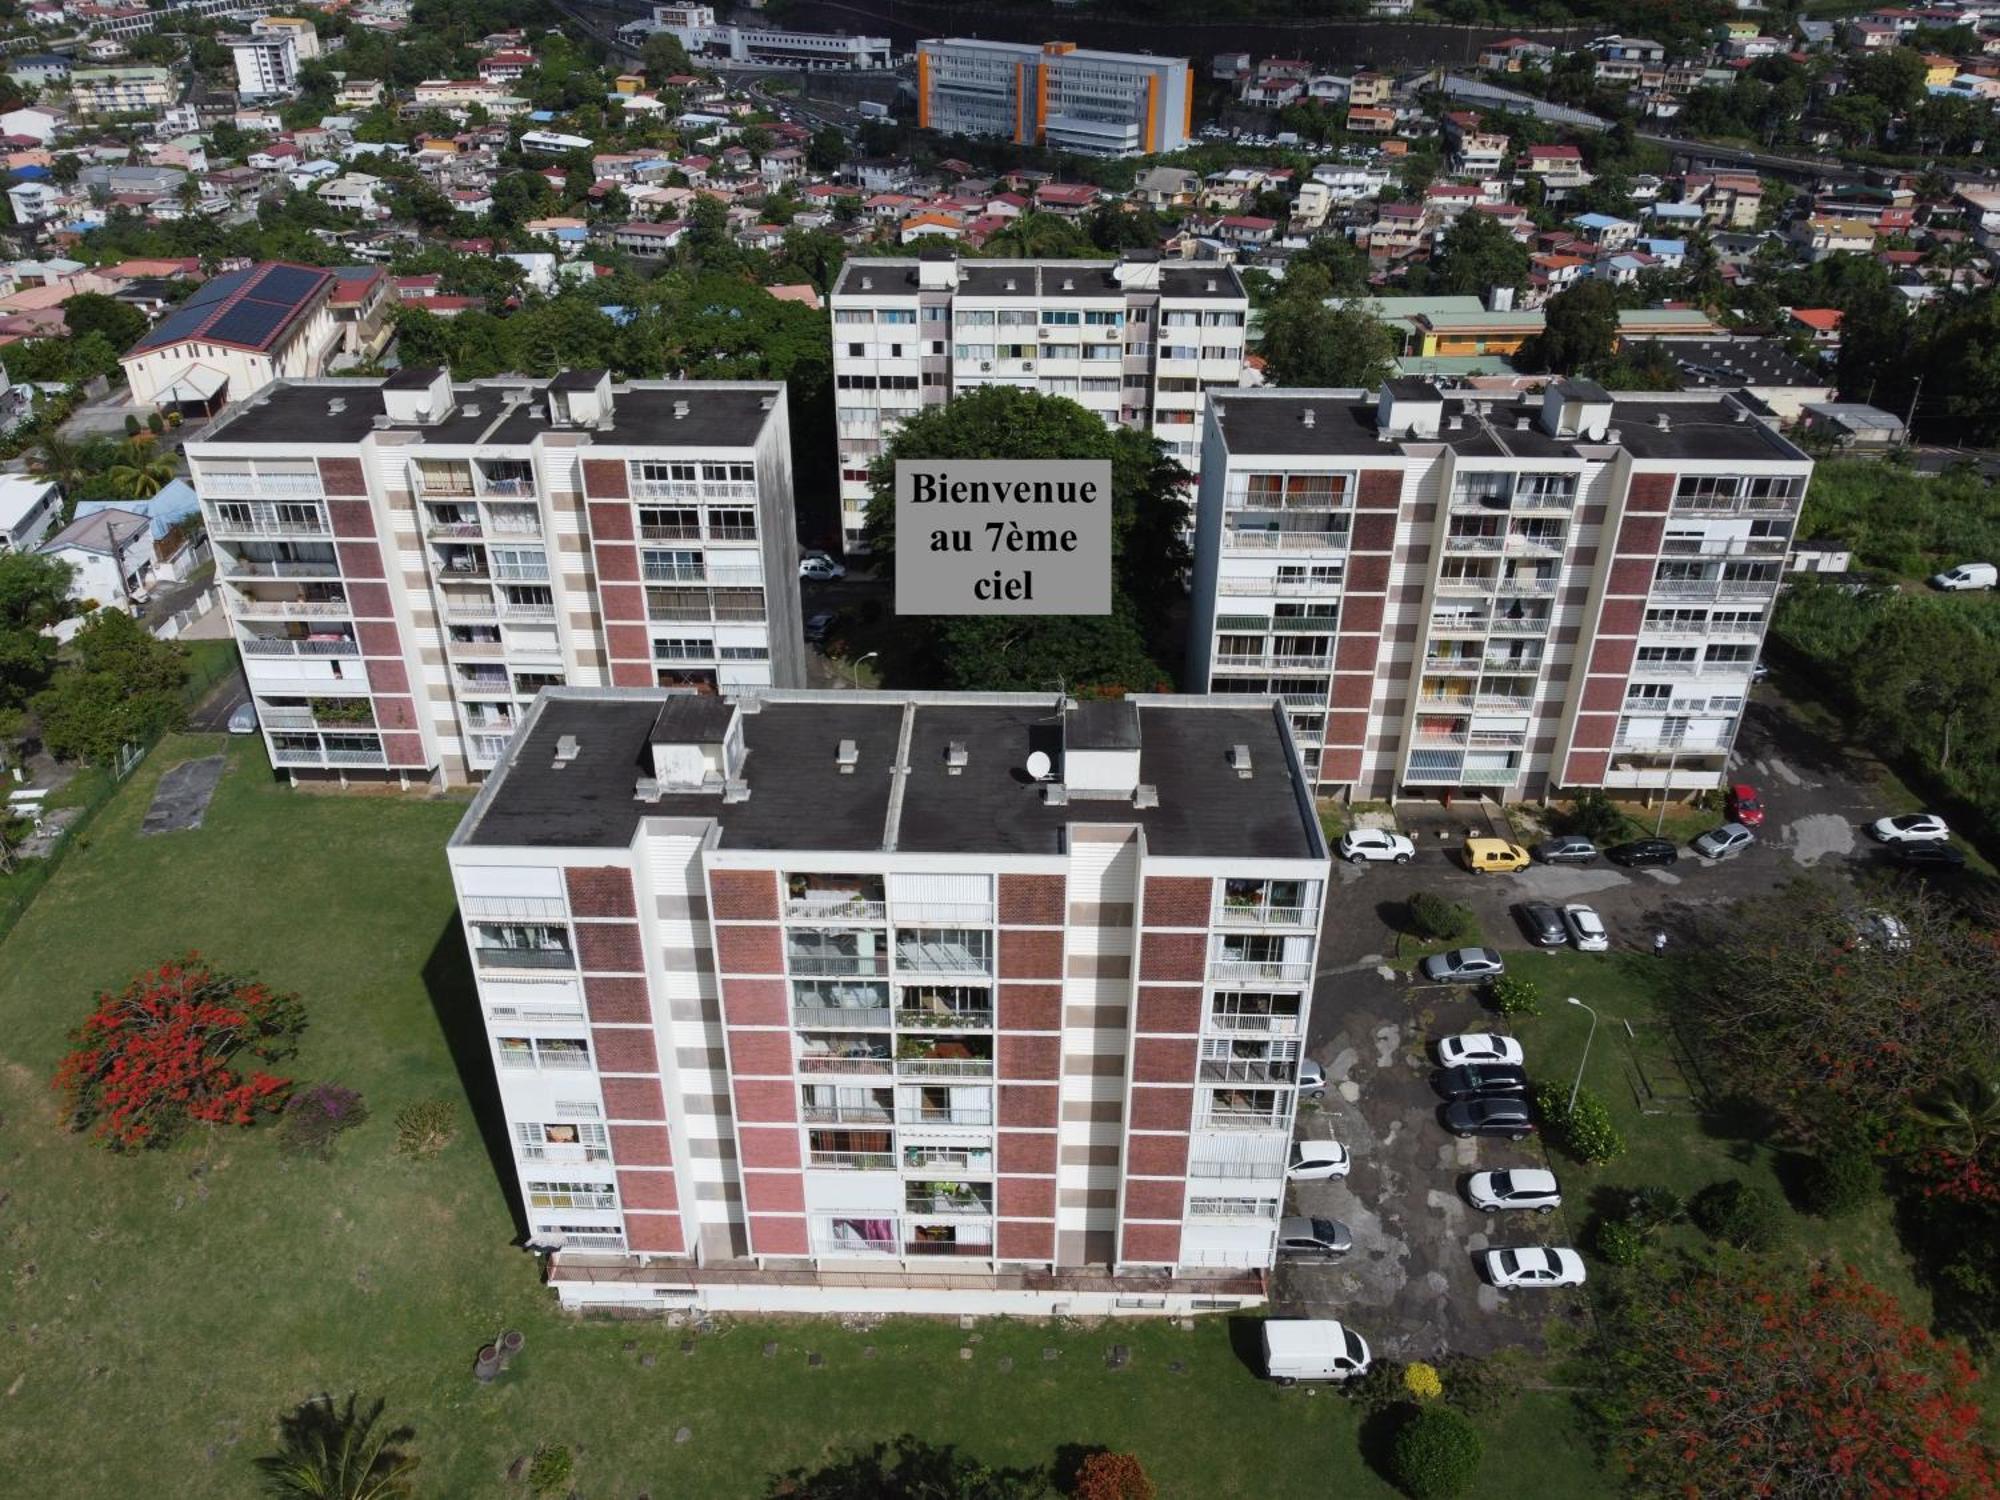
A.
x: 248, y: 309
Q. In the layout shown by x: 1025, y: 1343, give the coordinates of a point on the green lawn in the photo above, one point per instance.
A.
x: 163, y: 1310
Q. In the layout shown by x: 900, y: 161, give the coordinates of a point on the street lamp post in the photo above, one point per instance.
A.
x: 1588, y: 1037
x: 856, y: 667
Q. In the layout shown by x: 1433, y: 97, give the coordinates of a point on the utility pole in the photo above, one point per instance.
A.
x: 1909, y: 420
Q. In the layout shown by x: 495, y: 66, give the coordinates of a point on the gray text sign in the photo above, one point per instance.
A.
x: 1003, y: 537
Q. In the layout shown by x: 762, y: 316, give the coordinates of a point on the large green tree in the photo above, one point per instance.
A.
x: 125, y: 688
x: 1307, y: 342
x: 1478, y: 254
x: 34, y: 594
x: 1149, y: 557
x: 1927, y: 685
x: 1580, y: 327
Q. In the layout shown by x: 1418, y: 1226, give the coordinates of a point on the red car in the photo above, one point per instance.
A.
x: 1744, y: 807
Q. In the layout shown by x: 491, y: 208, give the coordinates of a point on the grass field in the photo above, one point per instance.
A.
x: 162, y: 1311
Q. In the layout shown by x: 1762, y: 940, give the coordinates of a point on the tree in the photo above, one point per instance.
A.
x: 34, y: 595
x: 1926, y: 685
x: 1308, y: 343
x: 1580, y: 327
x: 1112, y: 1476
x: 339, y: 1452
x: 68, y: 462
x: 142, y: 471
x: 1435, y: 1454
x: 1037, y: 235
x: 93, y: 312
x: 1479, y: 253
x: 1117, y: 226
x: 908, y: 1469
x: 1345, y: 267
x: 662, y: 57
x: 826, y: 151
x: 169, y: 1051
x: 1149, y: 511
x: 125, y: 690
x: 1832, y: 1032
x: 1757, y: 1379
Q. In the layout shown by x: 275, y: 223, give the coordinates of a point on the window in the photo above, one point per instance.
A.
x: 562, y: 1141
x: 521, y: 1053
x: 1061, y: 317
x: 595, y: 1195
x: 898, y: 315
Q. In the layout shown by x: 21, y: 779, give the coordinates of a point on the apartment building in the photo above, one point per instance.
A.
x: 407, y: 562
x: 1056, y: 95
x: 880, y: 1002
x: 1494, y: 595
x: 120, y: 91
x: 1138, y: 342
x: 267, y: 66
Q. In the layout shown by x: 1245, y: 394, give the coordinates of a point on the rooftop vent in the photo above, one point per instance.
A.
x: 868, y: 283
x: 1306, y: 417
x: 847, y: 757
x: 1522, y: 424
x: 1211, y: 284
x: 767, y: 403
x: 382, y: 420
x: 567, y: 749
x: 1239, y: 761
x: 735, y: 789
x: 1145, y: 795
x: 1455, y: 423
x: 680, y: 411
x: 1663, y: 422
x: 1614, y: 437
x: 1742, y: 413
x: 1069, y: 283
x: 336, y: 406
x: 1009, y: 284
x: 955, y: 758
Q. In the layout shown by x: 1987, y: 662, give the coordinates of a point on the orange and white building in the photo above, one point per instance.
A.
x: 1056, y: 95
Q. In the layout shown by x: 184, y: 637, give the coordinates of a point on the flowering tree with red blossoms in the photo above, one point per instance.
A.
x: 171, y: 1049
x: 1112, y: 1476
x: 1761, y: 1381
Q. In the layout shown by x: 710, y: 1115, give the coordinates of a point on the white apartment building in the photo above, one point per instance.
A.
x: 120, y: 91
x: 1139, y: 342
x: 1493, y: 595
x: 1057, y: 95
x: 407, y: 562
x: 872, y: 1002
x: 696, y: 29
x: 267, y: 65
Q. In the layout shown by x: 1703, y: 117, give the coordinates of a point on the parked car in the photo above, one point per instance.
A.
x: 1480, y: 1081
x: 1910, y: 828
x: 1298, y: 1349
x: 1463, y: 966
x: 1532, y: 1266
x: 1376, y: 843
x: 1494, y: 856
x: 1517, y: 1187
x: 1302, y: 1238
x: 1317, y: 1161
x: 1568, y: 849
x: 1880, y: 929
x: 1967, y: 576
x: 1586, y: 928
x: 1744, y: 806
x: 819, y: 626
x: 1643, y: 852
x: 1495, y: 1115
x: 243, y: 718
x: 824, y: 568
x: 1480, y: 1047
x: 1312, y: 1079
x: 1725, y: 842
x: 1542, y: 923
x: 1933, y: 854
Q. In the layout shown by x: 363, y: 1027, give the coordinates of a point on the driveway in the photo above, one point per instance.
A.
x: 1409, y: 1285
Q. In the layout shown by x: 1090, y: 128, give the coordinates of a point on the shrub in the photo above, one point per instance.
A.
x: 155, y: 423
x: 1437, y: 920
x: 163, y: 1053
x: 426, y: 1127
x: 1378, y: 1388
x: 1515, y: 995
x: 1435, y: 1455
x: 1738, y: 1214
x: 1474, y: 1385
x: 315, y: 1116
x: 131, y: 425
x: 1619, y: 1242
x: 1422, y: 1381
x: 1840, y: 1181
x: 1113, y: 1476
x: 552, y: 1469
x: 1584, y: 1130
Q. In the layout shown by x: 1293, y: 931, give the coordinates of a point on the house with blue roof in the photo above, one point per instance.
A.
x: 1605, y: 231
x: 234, y: 336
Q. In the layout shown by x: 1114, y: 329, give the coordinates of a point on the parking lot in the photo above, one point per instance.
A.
x: 1410, y: 1283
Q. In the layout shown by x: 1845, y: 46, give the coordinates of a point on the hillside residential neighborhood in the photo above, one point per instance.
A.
x: 773, y: 750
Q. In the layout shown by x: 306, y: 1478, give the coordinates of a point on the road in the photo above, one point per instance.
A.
x: 211, y: 715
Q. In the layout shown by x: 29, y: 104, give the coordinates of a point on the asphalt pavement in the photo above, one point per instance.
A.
x: 211, y: 715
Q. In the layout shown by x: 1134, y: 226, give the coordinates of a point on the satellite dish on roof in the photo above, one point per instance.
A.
x: 1039, y: 764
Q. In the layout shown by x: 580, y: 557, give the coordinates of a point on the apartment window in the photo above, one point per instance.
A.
x: 857, y: 351
x: 1061, y: 317
x: 937, y: 314
x: 1061, y: 351
x: 660, y: 523
x: 746, y: 653
x: 898, y: 315
x: 594, y: 1195
x: 852, y: 315
x: 1658, y: 656
x: 732, y: 525
x: 975, y: 318
x: 1706, y: 487
x: 667, y: 473
x: 562, y: 1140
x: 682, y: 648
x: 729, y: 473
x: 1103, y: 319
x: 522, y: 1053
x: 1639, y: 694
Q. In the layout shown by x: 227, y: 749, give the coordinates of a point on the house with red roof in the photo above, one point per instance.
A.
x: 238, y: 332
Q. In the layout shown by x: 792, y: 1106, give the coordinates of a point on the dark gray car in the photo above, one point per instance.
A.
x: 1302, y: 1238
x: 1490, y: 1116
x: 1567, y: 849
x: 1542, y: 923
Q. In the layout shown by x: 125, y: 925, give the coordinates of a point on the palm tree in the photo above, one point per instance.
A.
x: 65, y: 460
x: 1964, y: 1114
x: 330, y: 1452
x: 142, y: 471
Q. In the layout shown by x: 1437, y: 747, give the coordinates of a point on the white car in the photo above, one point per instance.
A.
x: 1317, y: 1161
x: 1376, y: 843
x: 1910, y: 828
x: 1488, y: 1047
x: 1532, y: 1266
x: 1586, y: 927
x: 1519, y: 1187
x: 1724, y: 842
x: 824, y: 568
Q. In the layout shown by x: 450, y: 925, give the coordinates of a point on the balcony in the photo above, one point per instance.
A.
x: 846, y: 1114
x: 1504, y: 702
x: 506, y: 485
x: 1525, y: 625
x: 1273, y: 662
x: 849, y: 1054
x: 944, y: 953
x: 523, y: 958
x: 1235, y: 971
x: 251, y: 567
x: 1248, y: 1069
x: 1489, y: 775
x: 936, y: 1198
x: 532, y: 613
x: 831, y: 961
x: 834, y: 898
x: 1234, y: 539
x: 928, y: 1115
x: 1242, y: 1119
x: 1527, y: 585
x: 268, y: 520
x: 1328, y: 497
x: 1731, y: 505
x: 235, y: 482
x: 521, y: 572
x: 1278, y: 587
x: 317, y: 756
x: 266, y: 645
x: 461, y: 529
x: 1714, y: 588
x: 461, y: 566
x: 250, y: 607
x: 1724, y: 547
x: 853, y: 1161
x: 1474, y: 542
x: 944, y: 1057
x: 1265, y: 1023
x: 443, y: 479
x: 666, y: 489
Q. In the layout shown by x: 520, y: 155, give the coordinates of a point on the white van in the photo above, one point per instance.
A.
x: 1967, y: 576
x: 1312, y: 1349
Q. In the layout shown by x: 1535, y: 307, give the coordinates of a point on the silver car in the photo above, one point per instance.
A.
x: 1302, y: 1238
x: 1721, y: 843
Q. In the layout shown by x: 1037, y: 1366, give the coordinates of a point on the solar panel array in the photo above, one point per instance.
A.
x: 249, y: 307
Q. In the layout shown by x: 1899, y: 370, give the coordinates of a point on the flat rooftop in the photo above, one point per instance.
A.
x: 1342, y: 422
x: 720, y: 414
x: 1037, y: 278
x: 801, y: 800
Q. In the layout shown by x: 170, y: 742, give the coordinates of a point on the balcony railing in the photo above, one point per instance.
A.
x: 1489, y: 775
x: 821, y: 1062
x: 524, y: 958
x: 453, y: 529
x: 1267, y: 916
x: 1284, y: 541
x: 944, y: 1067
x: 854, y: 1161
x: 1274, y: 662
x: 929, y: 1205
x: 835, y: 909
x: 507, y: 486
x: 1714, y: 588
x: 1241, y: 1119
x: 847, y: 1114
x: 666, y: 489
x: 818, y: 1017
x: 1275, y: 1024
x: 838, y: 963
x: 1526, y: 625
x: 1248, y: 1070
x: 942, y: 958
x: 289, y: 609
x: 1725, y: 547
x: 521, y: 572
x: 263, y: 645
x: 216, y: 482
x: 268, y: 525
x: 1504, y: 701
x: 945, y: 913
x: 1232, y: 969
x: 1729, y: 505
x: 1277, y: 587
x: 532, y: 612
x: 945, y: 1020
x: 246, y: 567
x: 1474, y: 543
x: 922, y: 1116
x: 690, y: 533
x: 1527, y: 586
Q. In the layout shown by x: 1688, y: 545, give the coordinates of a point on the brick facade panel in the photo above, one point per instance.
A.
x: 743, y: 895
x: 1158, y: 1108
x: 629, y: 642
x: 1025, y: 1241
x: 1650, y: 492
x: 387, y: 675
x: 610, y: 947
x: 1337, y: 766
x: 623, y: 601
x: 768, y: 1145
x: 773, y: 1234
x: 1025, y: 1152
x: 1365, y: 575
x: 1030, y: 1007
x: 632, y: 674
x: 611, y: 521
x: 1152, y: 1243
x: 1025, y: 1197
x: 396, y: 713
x: 1168, y: 1009
x: 748, y: 950
x: 1594, y: 732
x: 1032, y: 1056
x: 768, y: 1101
x: 766, y: 1053
x: 656, y: 1234
x: 405, y: 750
x: 359, y: 559
x: 641, y: 1146
x: 1030, y: 954
x: 633, y: 1099
x: 1155, y: 1198
x: 1603, y: 694
x: 1613, y: 657
x: 1621, y: 617
x: 1347, y: 728
x: 774, y: 1192
x: 755, y: 1002
x: 1630, y: 575
x: 1374, y: 531
x: 654, y: 1190
x: 600, y: 891
x: 1026, y: 1105
x: 350, y: 518
x: 1177, y: 901
x: 1033, y: 900
x: 624, y: 1050
x: 342, y: 476
x: 1379, y: 489
x: 617, y: 562
x: 1156, y: 1155
x: 1585, y: 769
x: 1641, y: 534
x: 618, y: 1000
x: 1173, y: 956
x: 370, y: 600
x: 1357, y: 653
x: 1158, y: 1059
x: 605, y: 479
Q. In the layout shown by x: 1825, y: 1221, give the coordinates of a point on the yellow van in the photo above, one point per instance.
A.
x: 1494, y: 856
